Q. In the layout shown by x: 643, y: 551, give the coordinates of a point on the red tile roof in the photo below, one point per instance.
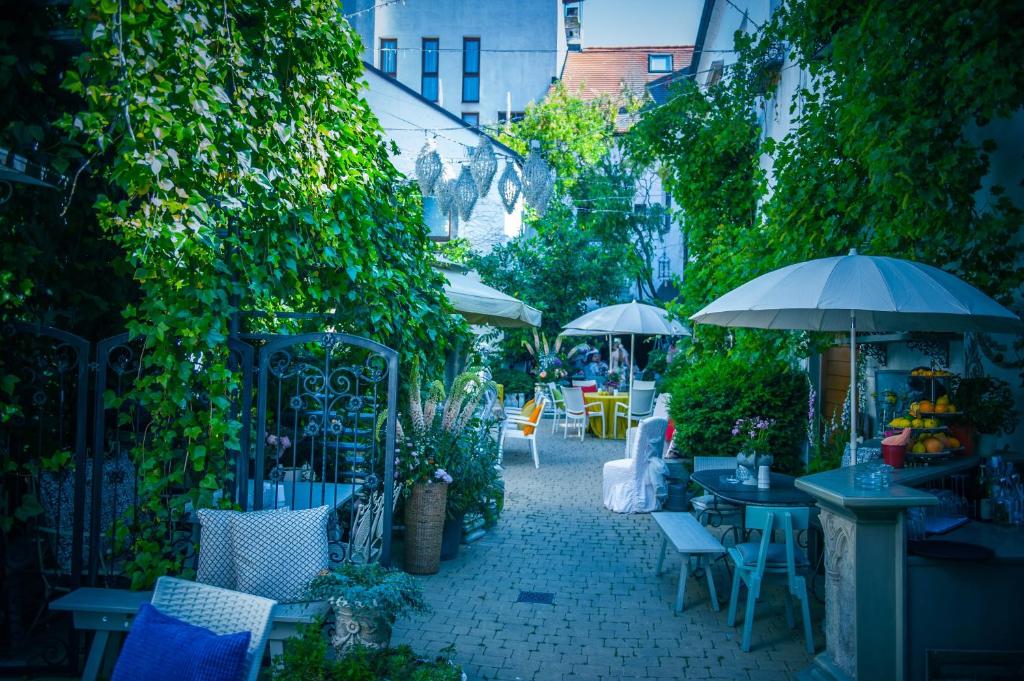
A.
x: 598, y: 71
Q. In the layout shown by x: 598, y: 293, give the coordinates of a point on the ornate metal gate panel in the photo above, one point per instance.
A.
x: 43, y: 447
x: 325, y: 435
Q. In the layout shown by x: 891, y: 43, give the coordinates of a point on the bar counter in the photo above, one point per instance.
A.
x: 874, y: 595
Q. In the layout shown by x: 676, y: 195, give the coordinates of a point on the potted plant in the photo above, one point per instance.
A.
x: 754, y: 431
x: 477, y: 481
x: 366, y: 600
x: 988, y: 404
x: 427, y: 444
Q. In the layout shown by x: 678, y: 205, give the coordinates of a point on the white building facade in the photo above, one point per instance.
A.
x: 479, y: 59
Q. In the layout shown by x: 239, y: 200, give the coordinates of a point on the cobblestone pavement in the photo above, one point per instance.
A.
x: 612, y: 617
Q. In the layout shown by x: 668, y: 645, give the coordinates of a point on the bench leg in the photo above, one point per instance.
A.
x: 684, y: 572
x: 661, y: 557
x: 711, y: 584
x: 96, y: 651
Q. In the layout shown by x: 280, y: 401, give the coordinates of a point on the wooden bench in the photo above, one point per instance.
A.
x: 109, y: 613
x: 691, y: 540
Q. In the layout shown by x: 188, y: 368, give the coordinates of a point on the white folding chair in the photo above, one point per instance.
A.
x: 709, y: 509
x: 519, y: 428
x: 557, y: 405
x: 639, y: 406
x: 578, y: 413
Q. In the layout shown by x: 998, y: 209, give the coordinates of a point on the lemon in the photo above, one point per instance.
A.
x: 917, y: 423
x: 918, y: 448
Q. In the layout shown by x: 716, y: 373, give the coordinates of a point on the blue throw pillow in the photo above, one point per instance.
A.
x: 163, y: 648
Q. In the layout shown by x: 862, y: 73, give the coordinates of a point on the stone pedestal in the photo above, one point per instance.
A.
x: 865, y: 576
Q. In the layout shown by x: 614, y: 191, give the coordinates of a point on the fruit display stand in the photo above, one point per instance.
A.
x: 929, y: 420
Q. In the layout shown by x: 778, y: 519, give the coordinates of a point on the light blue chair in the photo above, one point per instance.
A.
x: 757, y: 562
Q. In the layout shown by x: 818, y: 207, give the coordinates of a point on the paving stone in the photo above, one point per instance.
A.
x: 612, y: 618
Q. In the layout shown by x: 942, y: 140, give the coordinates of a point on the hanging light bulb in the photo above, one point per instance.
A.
x: 509, y: 187
x: 483, y: 165
x: 536, y: 177
x: 428, y: 168
x: 465, y: 194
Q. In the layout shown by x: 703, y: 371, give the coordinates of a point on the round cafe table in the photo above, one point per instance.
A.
x: 612, y: 428
x: 782, y: 491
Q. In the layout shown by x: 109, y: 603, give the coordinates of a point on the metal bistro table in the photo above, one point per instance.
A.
x: 783, y: 491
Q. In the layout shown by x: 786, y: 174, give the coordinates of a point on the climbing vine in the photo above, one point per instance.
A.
x: 888, y: 152
x: 243, y: 170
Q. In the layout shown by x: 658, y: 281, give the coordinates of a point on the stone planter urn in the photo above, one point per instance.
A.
x: 359, y: 627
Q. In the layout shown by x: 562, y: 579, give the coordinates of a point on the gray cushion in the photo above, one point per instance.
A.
x: 216, y: 562
x: 276, y: 555
x: 776, y: 554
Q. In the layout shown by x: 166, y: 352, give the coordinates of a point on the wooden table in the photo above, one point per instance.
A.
x: 110, y: 612
x: 612, y: 428
x: 690, y: 539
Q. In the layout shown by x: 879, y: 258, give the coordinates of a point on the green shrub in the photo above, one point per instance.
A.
x: 709, y: 396
x: 514, y: 381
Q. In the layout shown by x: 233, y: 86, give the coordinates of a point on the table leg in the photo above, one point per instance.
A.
x: 711, y: 584
x: 661, y: 557
x: 684, y: 573
x: 110, y: 656
x: 96, y: 651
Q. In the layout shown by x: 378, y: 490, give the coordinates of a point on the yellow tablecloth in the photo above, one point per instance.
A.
x: 612, y: 429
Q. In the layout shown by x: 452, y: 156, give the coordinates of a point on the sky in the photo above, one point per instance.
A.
x: 613, y: 23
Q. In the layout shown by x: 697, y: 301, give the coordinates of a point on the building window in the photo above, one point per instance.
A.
x: 429, y: 83
x: 715, y: 72
x: 389, y: 56
x: 471, y: 69
x: 440, y: 225
x: 516, y: 116
x: 664, y: 267
x: 659, y: 63
x: 472, y: 118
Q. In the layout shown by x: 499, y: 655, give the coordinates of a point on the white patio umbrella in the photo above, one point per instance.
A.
x: 482, y: 304
x: 851, y: 292
x: 633, y: 318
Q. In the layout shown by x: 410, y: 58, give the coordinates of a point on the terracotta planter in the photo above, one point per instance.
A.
x: 424, y: 525
x: 359, y: 627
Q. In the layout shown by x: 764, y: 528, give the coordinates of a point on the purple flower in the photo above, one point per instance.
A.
x: 442, y: 475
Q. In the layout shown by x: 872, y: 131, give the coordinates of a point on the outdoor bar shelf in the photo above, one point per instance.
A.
x: 874, y: 594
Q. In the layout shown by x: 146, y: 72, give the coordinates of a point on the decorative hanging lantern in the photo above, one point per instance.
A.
x: 428, y: 168
x: 444, y: 193
x: 483, y: 165
x: 465, y: 194
x: 542, y: 197
x: 536, y: 177
x: 509, y: 187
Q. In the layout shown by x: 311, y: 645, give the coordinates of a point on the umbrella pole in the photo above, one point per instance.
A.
x: 629, y: 403
x: 853, y: 388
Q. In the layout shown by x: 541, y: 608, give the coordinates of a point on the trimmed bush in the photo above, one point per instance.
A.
x: 709, y: 396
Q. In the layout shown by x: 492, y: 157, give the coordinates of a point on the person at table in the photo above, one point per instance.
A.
x: 595, y: 369
x: 619, y: 360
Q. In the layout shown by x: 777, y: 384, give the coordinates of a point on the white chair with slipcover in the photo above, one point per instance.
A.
x: 660, y: 412
x: 634, y: 484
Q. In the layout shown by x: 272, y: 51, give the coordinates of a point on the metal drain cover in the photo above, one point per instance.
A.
x: 536, y: 597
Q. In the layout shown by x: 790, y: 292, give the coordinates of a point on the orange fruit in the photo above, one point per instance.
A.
x: 926, y: 406
x: 953, y: 443
x: 933, y: 445
x: 941, y: 408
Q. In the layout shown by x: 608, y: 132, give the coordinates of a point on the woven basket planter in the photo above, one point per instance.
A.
x: 424, y: 524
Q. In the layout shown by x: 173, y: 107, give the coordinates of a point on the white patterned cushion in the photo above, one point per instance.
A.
x: 276, y: 555
x: 216, y: 560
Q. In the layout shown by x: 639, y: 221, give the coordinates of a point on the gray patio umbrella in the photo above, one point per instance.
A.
x: 851, y: 292
x: 633, y: 318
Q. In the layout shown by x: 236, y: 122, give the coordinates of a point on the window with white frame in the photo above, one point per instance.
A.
x: 659, y: 63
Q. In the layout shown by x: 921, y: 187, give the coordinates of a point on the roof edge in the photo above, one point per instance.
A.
x: 440, y: 109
